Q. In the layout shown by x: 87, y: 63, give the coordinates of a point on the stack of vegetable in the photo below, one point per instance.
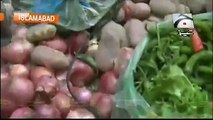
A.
x: 45, y: 75
x: 175, y: 73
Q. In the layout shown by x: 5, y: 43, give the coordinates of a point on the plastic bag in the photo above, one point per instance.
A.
x: 128, y: 103
x: 75, y: 15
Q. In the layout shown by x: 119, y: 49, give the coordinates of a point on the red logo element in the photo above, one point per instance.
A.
x: 184, y: 23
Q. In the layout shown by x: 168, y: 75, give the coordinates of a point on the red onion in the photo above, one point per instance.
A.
x: 19, y: 49
x: 103, y: 103
x: 83, y: 95
x: 20, y: 32
x: 108, y: 83
x: 77, y: 40
x: 19, y: 70
x: 56, y: 43
x: 82, y: 74
x: 80, y: 113
x: 39, y: 71
x: 7, y: 107
x: 23, y: 112
x: 62, y: 102
x: 48, y: 84
x: 21, y: 90
x: 5, y: 80
x: 47, y: 111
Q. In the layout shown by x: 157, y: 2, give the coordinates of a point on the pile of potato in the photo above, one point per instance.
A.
x: 35, y: 64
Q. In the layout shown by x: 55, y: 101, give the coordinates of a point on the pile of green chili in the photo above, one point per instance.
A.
x: 175, y: 80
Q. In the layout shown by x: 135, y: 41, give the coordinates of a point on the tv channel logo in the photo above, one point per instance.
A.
x: 184, y: 24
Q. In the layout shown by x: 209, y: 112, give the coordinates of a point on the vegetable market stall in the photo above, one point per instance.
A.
x: 106, y: 63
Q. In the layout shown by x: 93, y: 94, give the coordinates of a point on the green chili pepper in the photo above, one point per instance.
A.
x: 160, y: 56
x: 152, y: 44
x: 197, y: 81
x: 205, y: 69
x: 151, y: 64
x: 186, y: 50
x: 209, y: 46
x: 203, y: 55
x: 182, y: 59
x: 204, y: 27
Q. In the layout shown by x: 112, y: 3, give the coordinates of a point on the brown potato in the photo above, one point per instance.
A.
x: 162, y: 7
x: 208, y: 5
x: 195, y: 6
x: 168, y: 17
x: 41, y: 32
x: 135, y: 30
x: 154, y: 18
x: 49, y: 58
x: 113, y: 37
x: 177, y: 2
x: 181, y: 8
x: 141, y: 11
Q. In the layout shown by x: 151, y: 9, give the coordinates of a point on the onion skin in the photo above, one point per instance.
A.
x: 39, y: 71
x: 82, y: 74
x: 48, y: 84
x: 108, y: 83
x: 21, y: 90
x: 19, y: 49
x: 19, y: 70
x: 56, y: 43
x: 62, y: 102
x: 103, y: 103
x: 63, y: 87
x: 24, y: 112
x: 83, y: 95
x: 80, y: 113
x: 47, y: 111
x: 77, y: 40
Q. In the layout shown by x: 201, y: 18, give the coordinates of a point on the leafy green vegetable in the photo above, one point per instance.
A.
x: 178, y: 94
